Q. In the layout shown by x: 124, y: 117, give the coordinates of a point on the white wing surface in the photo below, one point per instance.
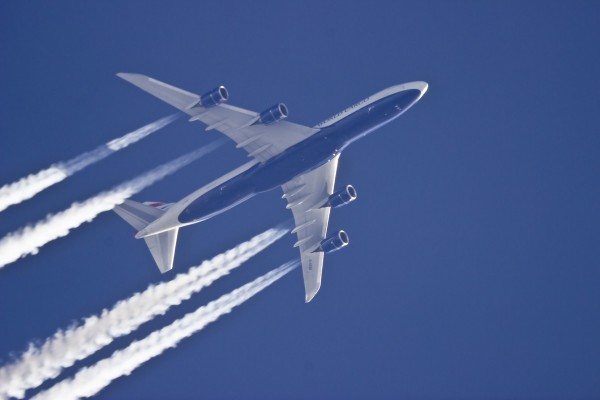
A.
x: 260, y: 141
x: 305, y: 195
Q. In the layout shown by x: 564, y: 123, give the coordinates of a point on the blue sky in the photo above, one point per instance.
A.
x: 473, y: 269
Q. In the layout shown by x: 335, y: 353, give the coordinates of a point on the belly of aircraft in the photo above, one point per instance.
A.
x: 261, y: 178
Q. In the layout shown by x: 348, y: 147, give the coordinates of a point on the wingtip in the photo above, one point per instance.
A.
x: 130, y: 77
x: 311, y: 295
x: 165, y: 268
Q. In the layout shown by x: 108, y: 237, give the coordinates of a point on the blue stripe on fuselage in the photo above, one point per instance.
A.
x: 300, y: 158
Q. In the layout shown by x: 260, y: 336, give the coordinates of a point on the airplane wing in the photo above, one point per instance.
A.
x: 305, y: 195
x: 260, y: 141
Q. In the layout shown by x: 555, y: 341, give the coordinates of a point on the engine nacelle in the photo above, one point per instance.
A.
x: 273, y: 114
x: 214, y: 97
x: 341, y: 197
x: 334, y: 242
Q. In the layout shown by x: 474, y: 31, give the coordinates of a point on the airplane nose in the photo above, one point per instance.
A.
x: 421, y: 86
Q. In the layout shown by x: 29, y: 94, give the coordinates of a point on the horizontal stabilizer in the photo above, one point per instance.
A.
x: 162, y: 245
x: 138, y: 215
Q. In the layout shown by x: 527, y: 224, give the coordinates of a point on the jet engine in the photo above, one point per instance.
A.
x: 334, y: 242
x: 214, y: 97
x: 341, y: 197
x: 273, y: 114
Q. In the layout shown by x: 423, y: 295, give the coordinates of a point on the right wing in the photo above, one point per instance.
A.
x: 260, y: 141
x: 305, y: 195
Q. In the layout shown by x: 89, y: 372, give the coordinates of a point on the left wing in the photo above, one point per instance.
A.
x: 260, y: 141
x: 306, y: 195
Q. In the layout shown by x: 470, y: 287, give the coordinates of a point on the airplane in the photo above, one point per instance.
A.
x: 301, y: 160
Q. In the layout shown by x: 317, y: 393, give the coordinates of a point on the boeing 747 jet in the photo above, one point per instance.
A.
x: 302, y: 161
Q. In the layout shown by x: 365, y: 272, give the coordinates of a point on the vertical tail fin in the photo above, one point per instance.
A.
x: 162, y: 245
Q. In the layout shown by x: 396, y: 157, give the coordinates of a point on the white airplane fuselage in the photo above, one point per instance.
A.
x: 334, y: 135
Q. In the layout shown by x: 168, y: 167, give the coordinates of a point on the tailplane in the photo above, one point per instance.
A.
x: 161, y: 245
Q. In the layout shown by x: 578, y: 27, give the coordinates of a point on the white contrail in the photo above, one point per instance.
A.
x: 137, y: 135
x: 29, y: 186
x: 90, y: 380
x: 64, y: 348
x: 29, y: 239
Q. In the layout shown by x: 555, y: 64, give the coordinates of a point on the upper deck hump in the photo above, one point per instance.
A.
x: 420, y: 85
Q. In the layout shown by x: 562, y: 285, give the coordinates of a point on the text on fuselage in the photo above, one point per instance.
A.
x: 344, y: 112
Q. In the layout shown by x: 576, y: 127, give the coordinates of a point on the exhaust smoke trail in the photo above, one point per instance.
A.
x: 29, y: 186
x: 139, y: 134
x: 29, y: 239
x: 64, y: 348
x: 90, y: 380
